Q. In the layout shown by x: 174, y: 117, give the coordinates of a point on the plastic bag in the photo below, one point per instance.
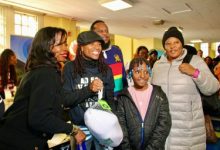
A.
x: 103, y: 124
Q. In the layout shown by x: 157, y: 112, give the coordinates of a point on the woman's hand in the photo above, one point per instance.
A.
x: 80, y: 137
x: 96, y: 85
x: 187, y: 69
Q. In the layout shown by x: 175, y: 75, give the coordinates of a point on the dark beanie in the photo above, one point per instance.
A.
x: 172, y: 32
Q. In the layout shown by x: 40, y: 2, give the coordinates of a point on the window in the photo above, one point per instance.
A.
x: 191, y: 44
x: 25, y: 24
x: 205, y: 49
x: 2, y: 30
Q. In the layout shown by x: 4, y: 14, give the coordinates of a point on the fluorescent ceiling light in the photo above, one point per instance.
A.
x: 196, y: 41
x: 172, y: 11
x: 115, y: 5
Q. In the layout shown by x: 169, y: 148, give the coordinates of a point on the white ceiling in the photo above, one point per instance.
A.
x: 203, y: 22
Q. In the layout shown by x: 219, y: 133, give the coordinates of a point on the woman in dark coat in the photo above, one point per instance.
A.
x: 36, y: 113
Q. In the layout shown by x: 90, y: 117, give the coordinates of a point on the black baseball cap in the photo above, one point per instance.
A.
x: 88, y: 37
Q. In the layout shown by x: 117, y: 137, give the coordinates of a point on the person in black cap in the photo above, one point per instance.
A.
x: 89, y: 74
x: 181, y: 81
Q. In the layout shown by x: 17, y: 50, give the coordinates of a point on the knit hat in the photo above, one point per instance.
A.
x: 88, y: 37
x: 172, y: 32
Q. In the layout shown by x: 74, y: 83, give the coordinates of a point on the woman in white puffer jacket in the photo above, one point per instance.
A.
x: 181, y: 82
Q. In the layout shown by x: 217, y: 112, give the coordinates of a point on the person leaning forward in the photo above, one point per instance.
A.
x: 36, y: 114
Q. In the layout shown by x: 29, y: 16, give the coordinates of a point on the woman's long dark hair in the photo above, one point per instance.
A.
x: 5, y: 68
x: 79, y: 69
x: 40, y: 52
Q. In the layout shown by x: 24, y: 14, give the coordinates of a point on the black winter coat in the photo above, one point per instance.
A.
x: 36, y: 113
x: 76, y: 83
x: 156, y: 125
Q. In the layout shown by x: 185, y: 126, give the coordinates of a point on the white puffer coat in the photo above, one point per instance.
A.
x: 188, y: 129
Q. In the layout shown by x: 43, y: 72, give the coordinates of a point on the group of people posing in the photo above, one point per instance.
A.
x: 162, y: 108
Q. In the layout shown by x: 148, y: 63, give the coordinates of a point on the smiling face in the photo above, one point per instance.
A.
x: 140, y: 76
x: 173, y: 47
x: 92, y: 50
x: 60, y: 48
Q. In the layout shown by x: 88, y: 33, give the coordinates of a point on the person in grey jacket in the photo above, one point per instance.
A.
x: 143, y: 111
x: 182, y: 83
